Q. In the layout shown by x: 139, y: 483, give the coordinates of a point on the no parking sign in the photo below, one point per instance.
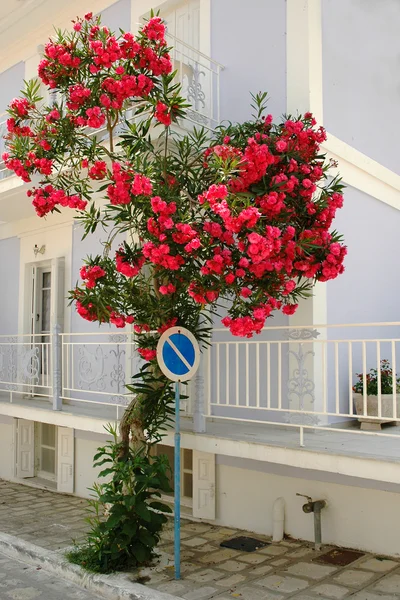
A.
x: 178, y: 354
x: 178, y: 357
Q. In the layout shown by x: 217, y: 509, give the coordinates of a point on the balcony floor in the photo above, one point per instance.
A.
x: 352, y: 442
x: 89, y: 416
x: 368, y: 457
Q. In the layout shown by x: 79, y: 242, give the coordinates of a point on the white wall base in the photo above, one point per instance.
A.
x: 355, y: 517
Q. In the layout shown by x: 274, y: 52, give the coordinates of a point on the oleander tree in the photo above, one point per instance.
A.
x: 240, y: 216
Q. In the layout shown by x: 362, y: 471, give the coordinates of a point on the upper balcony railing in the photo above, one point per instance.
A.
x: 199, y: 76
x: 301, y: 377
x: 4, y: 172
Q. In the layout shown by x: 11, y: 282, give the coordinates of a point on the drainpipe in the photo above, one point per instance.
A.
x: 278, y: 520
x: 315, y: 507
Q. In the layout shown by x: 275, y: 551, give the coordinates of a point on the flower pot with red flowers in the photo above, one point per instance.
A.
x: 390, y: 407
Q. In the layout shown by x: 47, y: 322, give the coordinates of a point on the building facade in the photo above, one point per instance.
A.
x: 265, y: 419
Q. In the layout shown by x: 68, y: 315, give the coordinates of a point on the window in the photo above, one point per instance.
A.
x: 186, y: 471
x: 46, y: 455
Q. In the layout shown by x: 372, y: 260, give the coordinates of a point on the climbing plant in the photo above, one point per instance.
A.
x: 240, y: 216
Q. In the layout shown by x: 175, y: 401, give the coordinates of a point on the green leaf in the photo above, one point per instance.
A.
x: 143, y: 512
x: 140, y: 552
x: 161, y: 507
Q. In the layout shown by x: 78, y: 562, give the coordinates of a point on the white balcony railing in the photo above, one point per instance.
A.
x: 26, y: 365
x: 199, y: 76
x: 4, y: 172
x: 300, y: 377
x: 304, y: 376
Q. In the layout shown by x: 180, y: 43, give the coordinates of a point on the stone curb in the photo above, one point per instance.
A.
x: 115, y: 587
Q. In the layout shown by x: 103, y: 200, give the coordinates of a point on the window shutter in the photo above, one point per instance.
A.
x: 25, y: 448
x: 65, y: 460
x: 203, y: 485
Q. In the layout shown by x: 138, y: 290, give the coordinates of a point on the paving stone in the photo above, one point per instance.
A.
x: 263, y: 570
x: 231, y: 581
x: 168, y: 535
x: 227, y: 531
x: 368, y: 595
x: 310, y: 570
x: 330, y: 590
x: 206, y: 548
x: 306, y: 597
x: 233, y: 566
x: 253, y: 593
x: 300, y: 553
x: 273, y: 550
x: 389, y: 584
x: 172, y: 587
x: 252, y: 559
x: 283, y: 583
x: 290, y: 543
x: 196, y: 527
x: 280, y: 562
x: 215, y: 535
x: 354, y: 578
x: 205, y: 576
x: 196, y: 541
x: 199, y: 593
x: 157, y: 577
x: 378, y: 565
x: 219, y: 556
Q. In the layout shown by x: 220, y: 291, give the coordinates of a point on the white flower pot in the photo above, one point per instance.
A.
x: 387, y: 412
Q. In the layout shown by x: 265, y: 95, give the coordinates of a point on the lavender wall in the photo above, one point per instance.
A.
x: 9, y: 277
x: 361, y: 75
x: 117, y: 16
x: 369, y: 289
x: 249, y: 39
x: 11, y: 82
x: 80, y: 250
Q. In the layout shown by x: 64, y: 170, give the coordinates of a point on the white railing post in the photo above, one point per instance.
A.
x: 56, y: 367
x: 200, y: 391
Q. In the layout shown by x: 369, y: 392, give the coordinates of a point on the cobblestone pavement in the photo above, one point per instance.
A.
x: 285, y: 570
x: 41, y: 517
x: 19, y: 581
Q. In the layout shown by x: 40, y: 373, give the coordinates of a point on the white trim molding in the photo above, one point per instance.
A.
x: 363, y: 173
x: 304, y: 57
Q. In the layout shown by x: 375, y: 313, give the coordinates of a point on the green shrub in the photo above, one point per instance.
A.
x: 126, y: 516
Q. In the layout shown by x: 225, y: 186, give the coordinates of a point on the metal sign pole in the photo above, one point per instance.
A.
x: 177, y: 486
x: 178, y: 356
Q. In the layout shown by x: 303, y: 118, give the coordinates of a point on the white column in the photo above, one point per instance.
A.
x: 305, y: 93
x: 304, y: 57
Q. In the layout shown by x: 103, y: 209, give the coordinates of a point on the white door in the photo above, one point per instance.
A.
x: 65, y: 466
x: 46, y: 305
x: 203, y: 485
x: 25, y: 446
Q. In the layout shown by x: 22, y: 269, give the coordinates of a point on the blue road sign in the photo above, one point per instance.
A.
x: 178, y: 354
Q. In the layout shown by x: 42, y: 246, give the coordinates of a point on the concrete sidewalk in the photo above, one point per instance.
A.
x: 285, y: 570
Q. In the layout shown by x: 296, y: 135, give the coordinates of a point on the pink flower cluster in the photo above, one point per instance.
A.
x: 46, y: 198
x: 162, y: 114
x: 161, y: 255
x: 21, y: 107
x: 126, y: 184
x: 90, y: 275
x: 98, y: 170
x: 127, y: 267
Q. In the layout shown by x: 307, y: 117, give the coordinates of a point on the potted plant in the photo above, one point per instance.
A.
x: 386, y: 389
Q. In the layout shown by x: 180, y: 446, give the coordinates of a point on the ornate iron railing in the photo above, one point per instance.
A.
x: 300, y: 377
